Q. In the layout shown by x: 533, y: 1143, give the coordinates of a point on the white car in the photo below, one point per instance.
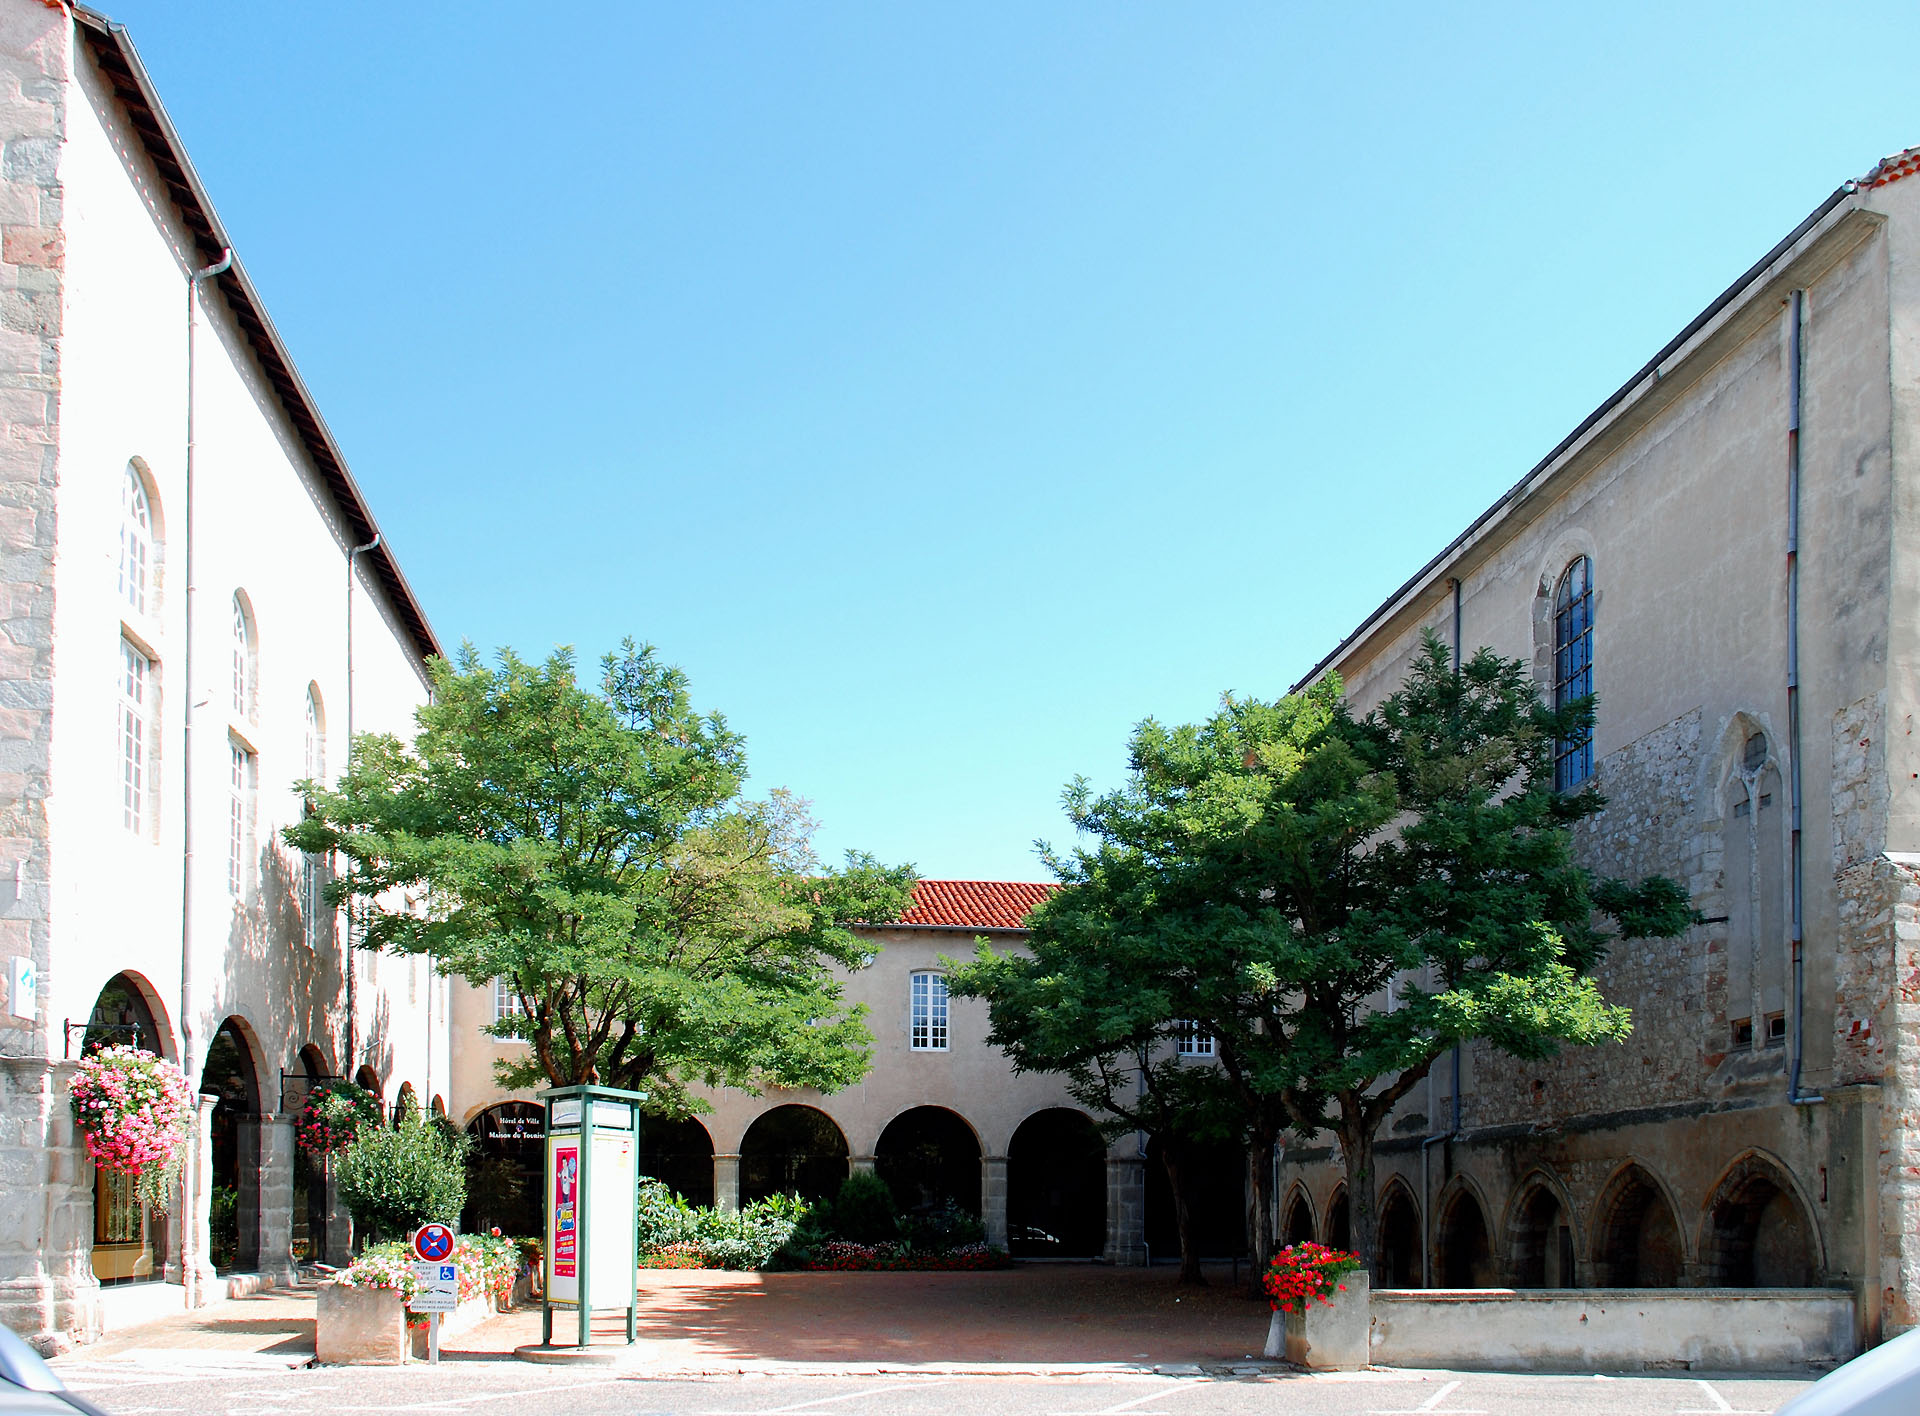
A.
x: 1883, y: 1382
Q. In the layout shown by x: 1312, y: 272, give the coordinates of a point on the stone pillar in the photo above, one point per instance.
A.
x: 336, y: 1245
x: 860, y: 1165
x: 196, y: 1262
x: 1126, y: 1211
x: 48, y: 1293
x: 726, y: 1182
x: 270, y: 1240
x: 993, y: 1198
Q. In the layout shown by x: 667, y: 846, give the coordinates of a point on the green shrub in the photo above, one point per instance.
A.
x: 665, y: 1218
x: 938, y: 1230
x: 747, y: 1238
x: 864, y: 1211
x: 393, y: 1180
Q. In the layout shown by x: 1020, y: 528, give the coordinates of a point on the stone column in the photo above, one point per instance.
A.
x: 47, y: 1289
x: 336, y: 1245
x: 271, y: 1239
x: 726, y: 1182
x: 993, y: 1198
x: 860, y: 1165
x: 1126, y: 1211
x: 196, y: 1259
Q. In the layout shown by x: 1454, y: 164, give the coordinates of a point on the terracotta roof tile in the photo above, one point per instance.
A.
x: 973, y: 904
x: 1892, y: 169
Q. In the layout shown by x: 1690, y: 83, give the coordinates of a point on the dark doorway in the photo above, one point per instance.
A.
x: 929, y: 1158
x: 1541, y: 1242
x: 1757, y: 1234
x: 503, y: 1170
x: 309, y: 1175
x: 1057, y: 1186
x: 679, y: 1154
x: 794, y: 1150
x: 1399, y: 1259
x: 1465, y: 1255
x: 1298, y: 1228
x: 1216, y: 1179
x: 1637, y: 1240
x: 234, y: 1224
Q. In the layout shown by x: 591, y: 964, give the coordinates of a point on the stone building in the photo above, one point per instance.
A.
x: 1727, y: 552
x: 179, y: 583
x: 941, y: 1114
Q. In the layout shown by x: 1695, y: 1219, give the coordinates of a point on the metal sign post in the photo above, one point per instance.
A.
x: 590, y: 1183
x: 436, y: 1281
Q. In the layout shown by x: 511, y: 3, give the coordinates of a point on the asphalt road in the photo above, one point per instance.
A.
x: 516, y: 1389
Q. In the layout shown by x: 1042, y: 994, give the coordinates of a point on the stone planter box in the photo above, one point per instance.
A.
x: 469, y: 1314
x: 360, y: 1326
x: 1327, y: 1337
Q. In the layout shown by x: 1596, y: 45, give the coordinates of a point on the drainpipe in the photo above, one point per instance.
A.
x: 189, y: 1052
x: 1796, y: 860
x: 1453, y: 1126
x: 347, y: 961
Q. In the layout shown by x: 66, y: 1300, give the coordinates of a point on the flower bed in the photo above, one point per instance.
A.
x: 841, y: 1256
x: 488, y: 1265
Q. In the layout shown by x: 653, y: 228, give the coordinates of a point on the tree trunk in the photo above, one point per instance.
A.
x: 1175, y: 1164
x: 1356, y: 1146
x: 1262, y: 1241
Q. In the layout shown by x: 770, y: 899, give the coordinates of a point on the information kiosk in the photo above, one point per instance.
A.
x: 593, y: 1136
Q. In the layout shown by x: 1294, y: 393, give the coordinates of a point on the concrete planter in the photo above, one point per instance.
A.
x: 1327, y: 1337
x: 360, y: 1326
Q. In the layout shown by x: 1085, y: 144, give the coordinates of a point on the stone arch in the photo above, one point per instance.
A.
x: 369, y: 1080
x: 1397, y: 1259
x: 1541, y: 1242
x: 1296, y: 1226
x: 1057, y: 1185
x: 1463, y: 1254
x: 930, y: 1156
x: 504, y: 1169
x: 1566, y: 547
x: 1758, y: 1231
x: 313, y: 1062
x: 234, y: 1073
x: 128, y: 1009
x: 1637, y: 1240
x: 126, y: 1238
x: 404, y: 1101
x: 793, y: 1149
x: 1338, y: 1226
x: 679, y: 1154
x: 309, y: 1182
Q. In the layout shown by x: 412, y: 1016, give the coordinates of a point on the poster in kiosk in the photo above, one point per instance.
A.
x: 593, y: 1136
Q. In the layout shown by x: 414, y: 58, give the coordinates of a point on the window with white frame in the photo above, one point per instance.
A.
x: 928, y: 1030
x: 136, y: 689
x: 315, y: 757
x: 1189, y: 1041
x: 506, y: 1000
x: 243, y: 660
x: 239, y: 817
x: 136, y: 541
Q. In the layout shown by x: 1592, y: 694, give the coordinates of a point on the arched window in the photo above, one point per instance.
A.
x: 315, y: 759
x: 244, y: 672
x: 1573, y: 669
x: 1754, y: 860
x: 136, y: 541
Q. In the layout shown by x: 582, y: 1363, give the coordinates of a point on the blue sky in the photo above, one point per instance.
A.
x: 949, y: 387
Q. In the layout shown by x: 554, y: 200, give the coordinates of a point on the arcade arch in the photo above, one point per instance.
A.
x: 1057, y: 1186
x: 126, y: 1237
x: 1757, y: 1233
x: 1297, y: 1227
x: 232, y: 1072
x: 1398, y: 1261
x: 504, y: 1169
x: 1463, y: 1256
x: 929, y: 1157
x: 679, y: 1154
x: 1540, y: 1242
x: 792, y: 1150
x: 1636, y: 1239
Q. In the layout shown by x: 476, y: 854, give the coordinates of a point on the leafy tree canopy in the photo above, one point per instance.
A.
x: 593, y: 850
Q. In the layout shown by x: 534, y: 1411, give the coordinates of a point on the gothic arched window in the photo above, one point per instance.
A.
x: 243, y: 659
x: 1573, y: 669
x: 136, y: 541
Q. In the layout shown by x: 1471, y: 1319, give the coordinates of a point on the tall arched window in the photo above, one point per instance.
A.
x: 316, y: 918
x: 136, y: 541
x: 1754, y: 859
x: 1573, y: 669
x: 315, y: 760
x: 244, y: 673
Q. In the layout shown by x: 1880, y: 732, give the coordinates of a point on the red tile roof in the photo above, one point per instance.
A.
x: 1892, y: 169
x: 973, y: 904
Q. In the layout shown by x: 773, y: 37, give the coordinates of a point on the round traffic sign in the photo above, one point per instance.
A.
x: 432, y: 1242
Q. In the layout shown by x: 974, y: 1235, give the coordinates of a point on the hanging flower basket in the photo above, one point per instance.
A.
x: 134, y: 1108
x: 334, y: 1114
x: 1304, y: 1274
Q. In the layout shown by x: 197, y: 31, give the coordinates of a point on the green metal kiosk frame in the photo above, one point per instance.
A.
x: 576, y: 1116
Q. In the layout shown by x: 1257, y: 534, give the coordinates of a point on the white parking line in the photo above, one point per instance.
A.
x: 828, y: 1400
x: 1721, y: 1406
x: 1128, y: 1408
x: 1431, y: 1406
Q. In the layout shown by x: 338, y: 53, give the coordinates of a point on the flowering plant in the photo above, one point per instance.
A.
x: 133, y: 1107
x: 1307, y: 1273
x: 488, y: 1265
x: 843, y: 1256
x: 335, y: 1112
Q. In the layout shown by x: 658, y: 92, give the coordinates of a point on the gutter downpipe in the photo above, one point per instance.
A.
x: 1796, y: 868
x: 189, y: 1054
x: 1453, y: 1127
x: 348, y: 964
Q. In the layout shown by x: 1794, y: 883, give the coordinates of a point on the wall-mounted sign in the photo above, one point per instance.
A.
x: 23, y: 988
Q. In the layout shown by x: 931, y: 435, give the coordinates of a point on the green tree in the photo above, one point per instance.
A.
x: 1268, y: 873
x: 594, y: 852
x: 393, y: 1179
